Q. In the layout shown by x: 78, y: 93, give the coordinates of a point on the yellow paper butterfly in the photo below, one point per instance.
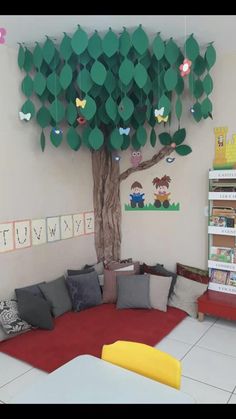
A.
x: 159, y: 115
x: 80, y: 103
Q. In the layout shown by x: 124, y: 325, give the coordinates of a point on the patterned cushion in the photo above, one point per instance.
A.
x: 84, y: 290
x: 9, y: 317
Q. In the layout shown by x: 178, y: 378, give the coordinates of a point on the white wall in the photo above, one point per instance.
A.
x: 36, y: 185
x: 170, y: 237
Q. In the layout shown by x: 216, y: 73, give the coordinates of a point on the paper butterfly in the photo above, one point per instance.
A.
x: 80, y: 103
x: 124, y: 131
x: 159, y: 115
x: 2, y: 35
x: 26, y: 116
x: 170, y: 159
x: 57, y: 131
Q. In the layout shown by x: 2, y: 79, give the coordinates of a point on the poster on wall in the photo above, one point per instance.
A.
x: 78, y: 224
x: 38, y: 231
x: 225, y: 149
x: 53, y: 229
x: 89, y: 222
x: 162, y: 200
x: 66, y: 226
x: 6, y: 237
x: 22, y: 234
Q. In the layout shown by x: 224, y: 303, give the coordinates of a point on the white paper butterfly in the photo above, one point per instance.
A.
x: 158, y: 112
x: 26, y: 116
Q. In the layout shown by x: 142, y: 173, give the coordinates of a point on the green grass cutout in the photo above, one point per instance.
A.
x: 151, y: 207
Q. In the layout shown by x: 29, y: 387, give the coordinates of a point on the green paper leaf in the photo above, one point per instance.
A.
x: 141, y: 135
x: 135, y: 144
x: 95, y: 46
x: 126, y: 71
x: 71, y: 93
x: 153, y: 138
x: 210, y: 56
x: 206, y: 107
x: 28, y: 61
x: 21, y: 57
x: 79, y: 41
x: 56, y: 139
x: 178, y: 108
x: 44, y: 96
x: 197, y: 114
x: 71, y: 113
x: 96, y: 138
x: 65, y: 47
x: 116, y: 139
x: 84, y: 80
x: 170, y: 79
x: 146, y: 60
x: 165, y: 138
x: 27, y: 86
x: 95, y: 91
x: 191, y: 48
x: 148, y: 86
x: 179, y: 88
x: 98, y: 73
x: 28, y: 107
x: 85, y: 136
x: 158, y: 47
x: 57, y: 110
x: 39, y: 83
x: 110, y: 82
x: 48, y: 51
x: 208, y: 84
x: 84, y: 58
x: 199, y: 66
x: 53, y: 84
x: 164, y: 102
x: 73, y: 139
x: 43, y: 117
x: 126, y: 108
x: 111, y: 108
x: 198, y: 89
x: 183, y: 150
x: 55, y: 61
x: 65, y: 76
x: 126, y: 142
x: 179, y: 136
x: 140, y: 40
x: 140, y: 75
x: 37, y: 56
x: 125, y: 43
x: 42, y: 141
x: 191, y: 82
x: 110, y: 43
x: 171, y: 52
x: 90, y: 108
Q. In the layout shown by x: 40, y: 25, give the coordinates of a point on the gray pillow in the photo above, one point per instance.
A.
x: 10, y: 319
x: 185, y: 295
x: 33, y: 289
x: 71, y: 272
x: 84, y: 290
x: 159, y: 289
x: 133, y: 291
x: 57, y: 294
x: 35, y: 310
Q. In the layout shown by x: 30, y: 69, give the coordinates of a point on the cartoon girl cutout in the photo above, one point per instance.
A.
x: 161, y: 197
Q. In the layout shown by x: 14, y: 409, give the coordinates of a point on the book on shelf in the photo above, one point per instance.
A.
x: 218, y: 276
x: 221, y: 221
x: 222, y: 254
x: 231, y: 279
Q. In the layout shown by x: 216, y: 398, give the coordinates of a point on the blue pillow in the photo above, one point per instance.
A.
x: 84, y: 290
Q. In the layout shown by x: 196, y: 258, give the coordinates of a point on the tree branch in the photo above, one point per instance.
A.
x: 165, y: 151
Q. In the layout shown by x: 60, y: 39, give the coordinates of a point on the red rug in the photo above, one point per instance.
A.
x: 87, y: 331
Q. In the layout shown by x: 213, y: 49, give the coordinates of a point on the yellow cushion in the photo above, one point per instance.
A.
x: 144, y: 360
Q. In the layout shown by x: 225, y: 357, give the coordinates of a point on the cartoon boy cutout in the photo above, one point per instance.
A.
x: 137, y: 197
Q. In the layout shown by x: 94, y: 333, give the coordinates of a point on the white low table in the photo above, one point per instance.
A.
x: 90, y: 380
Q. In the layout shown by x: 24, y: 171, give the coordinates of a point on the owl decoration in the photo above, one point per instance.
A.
x: 135, y: 158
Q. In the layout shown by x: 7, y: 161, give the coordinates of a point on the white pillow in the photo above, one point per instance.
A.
x: 185, y: 295
x: 159, y: 287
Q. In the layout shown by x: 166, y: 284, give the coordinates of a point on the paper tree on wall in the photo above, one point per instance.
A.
x: 103, y: 93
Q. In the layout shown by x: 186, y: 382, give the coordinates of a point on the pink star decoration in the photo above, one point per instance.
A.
x: 185, y: 67
x: 2, y: 34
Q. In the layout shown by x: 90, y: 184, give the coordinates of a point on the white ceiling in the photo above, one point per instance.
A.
x: 31, y: 28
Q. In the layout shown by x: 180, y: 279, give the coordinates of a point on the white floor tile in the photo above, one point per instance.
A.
x: 211, y: 368
x: 226, y: 324
x: 232, y: 399
x: 11, y: 368
x: 21, y: 383
x: 219, y: 339
x: 204, y: 393
x: 173, y: 347
x: 190, y: 330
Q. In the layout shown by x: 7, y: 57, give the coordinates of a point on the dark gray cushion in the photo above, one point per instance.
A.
x: 33, y: 289
x: 71, y: 272
x: 35, y: 310
x: 162, y: 271
x: 84, y: 290
x: 57, y: 294
x: 133, y: 291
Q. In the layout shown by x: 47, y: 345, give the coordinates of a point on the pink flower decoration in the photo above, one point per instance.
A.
x: 2, y: 34
x: 185, y: 67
